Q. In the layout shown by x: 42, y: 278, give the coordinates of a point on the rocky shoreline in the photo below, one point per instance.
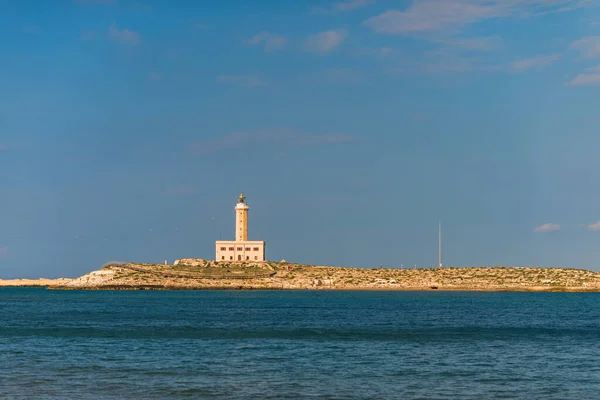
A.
x: 199, y: 274
x: 41, y: 282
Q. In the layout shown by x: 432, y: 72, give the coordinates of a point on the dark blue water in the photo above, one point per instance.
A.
x: 289, y: 345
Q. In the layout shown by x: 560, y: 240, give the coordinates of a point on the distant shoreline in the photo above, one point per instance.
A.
x: 199, y: 274
x: 41, y: 282
x: 271, y: 289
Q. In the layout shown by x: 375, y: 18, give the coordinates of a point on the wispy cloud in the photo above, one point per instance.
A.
x: 588, y: 78
x: 594, y: 227
x: 271, y: 41
x: 94, y: 1
x: 154, y: 76
x: 342, y: 6
x: 568, y: 6
x: 349, y: 5
x: 547, y: 228
x: 454, y: 55
x: 124, y: 36
x: 589, y: 46
x: 444, y: 22
x: 325, y: 42
x: 437, y: 16
x: 31, y: 29
x: 381, y: 51
x: 426, y: 16
x: 197, y: 26
x: 283, y: 137
x: 444, y: 60
x: 343, y: 75
x: 89, y: 36
x: 534, y: 62
x: 486, y: 43
x: 242, y: 80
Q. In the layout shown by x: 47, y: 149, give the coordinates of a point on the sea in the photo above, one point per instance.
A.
x: 298, y: 345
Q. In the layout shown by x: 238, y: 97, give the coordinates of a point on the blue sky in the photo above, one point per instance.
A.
x: 128, y: 128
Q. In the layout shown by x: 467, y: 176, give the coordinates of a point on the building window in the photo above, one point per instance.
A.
x: 247, y: 258
x: 223, y: 248
x: 231, y: 257
x: 231, y: 248
x: 240, y: 248
x: 239, y: 258
x: 256, y: 257
x: 256, y: 249
x: 222, y: 257
x: 247, y: 248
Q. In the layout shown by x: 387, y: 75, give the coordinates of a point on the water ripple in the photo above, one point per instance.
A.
x: 290, y: 345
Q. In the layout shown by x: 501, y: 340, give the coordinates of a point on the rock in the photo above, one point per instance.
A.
x: 311, y: 277
x: 194, y: 262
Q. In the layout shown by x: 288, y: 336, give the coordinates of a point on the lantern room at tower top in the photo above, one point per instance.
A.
x: 240, y: 249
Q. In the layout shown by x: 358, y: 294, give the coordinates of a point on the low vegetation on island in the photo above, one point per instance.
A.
x: 205, y: 274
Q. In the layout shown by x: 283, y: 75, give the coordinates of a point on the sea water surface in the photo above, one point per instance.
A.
x: 290, y: 345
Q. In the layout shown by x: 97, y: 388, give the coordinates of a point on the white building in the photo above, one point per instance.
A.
x: 240, y: 249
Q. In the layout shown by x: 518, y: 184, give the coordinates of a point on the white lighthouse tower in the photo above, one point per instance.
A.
x: 240, y: 249
x: 241, y: 219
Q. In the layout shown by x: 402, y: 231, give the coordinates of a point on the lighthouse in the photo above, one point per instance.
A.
x: 240, y: 249
x: 241, y: 219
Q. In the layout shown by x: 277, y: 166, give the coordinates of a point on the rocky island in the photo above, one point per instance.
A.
x: 205, y: 274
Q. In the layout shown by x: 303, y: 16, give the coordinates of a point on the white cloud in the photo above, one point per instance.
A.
x: 241, y: 80
x: 535, y: 62
x: 325, y: 42
x: 349, y: 5
x: 547, y: 228
x: 341, y: 6
x: 89, y: 36
x: 446, y: 23
x: 384, y: 50
x: 594, y: 227
x: 588, y: 78
x: 429, y: 15
x: 124, y: 36
x: 271, y: 41
x: 93, y: 1
x: 154, y: 76
x: 454, y: 55
x: 443, y: 61
x: 381, y: 51
x: 486, y: 43
x: 437, y: 16
x: 589, y: 46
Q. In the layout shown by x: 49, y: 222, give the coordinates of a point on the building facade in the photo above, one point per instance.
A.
x: 240, y: 249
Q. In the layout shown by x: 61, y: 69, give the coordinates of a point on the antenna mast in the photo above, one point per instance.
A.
x: 440, y: 244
